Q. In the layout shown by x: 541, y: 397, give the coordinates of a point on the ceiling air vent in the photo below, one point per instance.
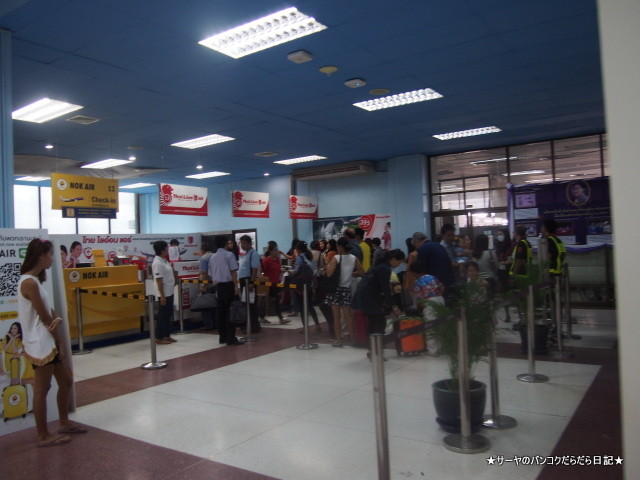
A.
x: 265, y: 154
x: 82, y: 120
x: 334, y: 171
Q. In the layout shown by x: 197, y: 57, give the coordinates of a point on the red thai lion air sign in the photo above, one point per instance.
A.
x: 366, y: 222
x: 183, y: 200
x: 303, y: 207
x: 249, y: 204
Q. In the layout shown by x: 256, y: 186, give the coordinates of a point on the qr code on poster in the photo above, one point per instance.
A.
x: 9, y: 276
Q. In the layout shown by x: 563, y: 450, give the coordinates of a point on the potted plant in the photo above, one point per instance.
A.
x: 480, y: 329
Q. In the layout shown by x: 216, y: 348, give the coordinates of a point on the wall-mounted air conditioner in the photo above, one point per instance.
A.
x: 337, y: 170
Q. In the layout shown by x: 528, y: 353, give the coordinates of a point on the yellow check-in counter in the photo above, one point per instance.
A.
x: 104, y: 313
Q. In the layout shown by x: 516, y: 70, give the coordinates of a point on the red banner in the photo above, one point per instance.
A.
x: 183, y: 200
x: 249, y: 204
x: 303, y: 207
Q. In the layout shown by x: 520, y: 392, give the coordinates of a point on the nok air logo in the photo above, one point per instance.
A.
x: 22, y: 252
x: 74, y: 276
x: 62, y: 184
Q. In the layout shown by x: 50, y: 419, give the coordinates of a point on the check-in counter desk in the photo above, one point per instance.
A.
x: 104, y: 313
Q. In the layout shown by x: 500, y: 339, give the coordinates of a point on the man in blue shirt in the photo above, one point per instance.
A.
x: 208, y: 316
x: 247, y: 274
x: 223, y: 269
x: 350, y: 235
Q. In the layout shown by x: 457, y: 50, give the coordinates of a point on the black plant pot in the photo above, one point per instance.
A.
x: 447, y: 403
x: 540, y: 339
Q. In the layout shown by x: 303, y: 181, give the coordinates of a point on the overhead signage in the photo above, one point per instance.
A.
x: 183, y: 200
x: 97, y: 197
x: 303, y: 207
x: 249, y: 204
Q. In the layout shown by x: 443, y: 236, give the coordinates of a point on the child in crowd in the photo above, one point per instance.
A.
x: 427, y: 288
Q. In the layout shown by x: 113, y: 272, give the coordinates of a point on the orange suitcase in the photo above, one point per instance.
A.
x: 412, y: 345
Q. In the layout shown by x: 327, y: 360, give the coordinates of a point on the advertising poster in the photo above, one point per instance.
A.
x: 249, y: 204
x: 303, y: 207
x: 84, y: 197
x: 16, y: 372
x: 138, y: 247
x: 581, y: 208
x: 183, y: 200
x: 374, y: 225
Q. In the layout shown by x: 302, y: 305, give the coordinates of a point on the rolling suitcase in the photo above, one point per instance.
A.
x: 414, y: 344
x: 14, y: 399
x: 361, y: 327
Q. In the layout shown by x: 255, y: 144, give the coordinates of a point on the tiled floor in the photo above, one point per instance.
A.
x: 267, y: 409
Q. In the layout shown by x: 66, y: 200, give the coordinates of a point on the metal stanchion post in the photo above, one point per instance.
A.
x: 465, y: 441
x: 495, y: 420
x: 180, y: 309
x: 380, y: 405
x: 532, y: 376
x: 80, y: 326
x: 305, y: 318
x: 154, y: 364
x: 567, y: 303
x: 560, y: 352
x: 247, y: 298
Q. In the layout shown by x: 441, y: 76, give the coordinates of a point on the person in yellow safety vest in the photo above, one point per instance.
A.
x: 557, y: 250
x: 522, y: 254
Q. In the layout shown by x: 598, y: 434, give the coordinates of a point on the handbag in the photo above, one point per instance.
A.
x: 204, y: 301
x: 238, y: 313
x: 331, y: 282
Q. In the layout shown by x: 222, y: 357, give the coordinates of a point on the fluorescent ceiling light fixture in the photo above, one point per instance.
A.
x: 399, y: 99
x: 132, y: 157
x: 467, y: 133
x: 44, y: 110
x: 138, y: 185
x: 524, y: 172
x: 542, y: 180
x: 199, y: 167
x: 266, y: 174
x: 108, y: 163
x: 48, y: 146
x: 266, y: 32
x: 33, y: 178
x: 202, y: 141
x: 200, y: 176
x: 492, y: 160
x: 309, y: 158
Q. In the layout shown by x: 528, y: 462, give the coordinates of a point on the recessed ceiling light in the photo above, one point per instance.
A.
x: 132, y: 157
x: 399, y: 99
x: 108, y: 163
x: 524, y: 172
x: 44, y: 110
x: 202, y: 141
x: 467, y: 133
x: 200, y: 176
x: 199, y: 167
x: 379, y: 91
x: 355, y: 82
x: 541, y: 180
x: 33, y: 178
x: 48, y: 146
x: 328, y: 70
x: 266, y: 174
x: 300, y: 56
x: 138, y: 185
x: 309, y: 158
x: 269, y: 31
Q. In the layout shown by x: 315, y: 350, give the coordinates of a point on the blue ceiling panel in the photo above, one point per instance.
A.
x: 531, y: 68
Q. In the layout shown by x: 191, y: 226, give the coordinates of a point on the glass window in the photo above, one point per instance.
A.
x: 491, y: 164
x: 93, y: 225
x: 125, y: 221
x: 530, y: 163
x: 26, y: 209
x: 476, y: 183
x: 577, y: 158
x: 52, y: 219
x: 452, y: 201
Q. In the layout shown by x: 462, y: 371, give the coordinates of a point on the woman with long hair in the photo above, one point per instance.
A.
x: 42, y: 342
x: 487, y: 263
x: 340, y: 300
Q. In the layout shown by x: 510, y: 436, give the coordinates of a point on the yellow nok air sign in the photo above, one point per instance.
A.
x: 83, y: 192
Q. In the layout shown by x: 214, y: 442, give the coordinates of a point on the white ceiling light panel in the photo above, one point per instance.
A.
x: 269, y: 31
x: 33, y: 178
x: 138, y: 185
x: 202, y: 141
x: 309, y: 158
x: 108, y: 163
x: 467, y: 133
x: 399, y: 99
x: 200, y: 176
x: 44, y: 110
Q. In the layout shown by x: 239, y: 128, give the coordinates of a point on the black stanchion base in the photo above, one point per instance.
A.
x: 500, y: 422
x: 474, y: 443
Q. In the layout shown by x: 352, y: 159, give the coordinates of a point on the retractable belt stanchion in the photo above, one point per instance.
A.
x: 247, y: 297
x: 495, y: 420
x: 567, y: 302
x: 380, y: 406
x: 532, y: 376
x: 154, y: 364
x: 465, y: 441
x: 180, y: 310
x: 305, y: 318
x: 560, y: 352
x: 79, y: 320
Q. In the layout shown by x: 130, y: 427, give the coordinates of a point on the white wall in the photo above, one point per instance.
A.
x: 620, y: 49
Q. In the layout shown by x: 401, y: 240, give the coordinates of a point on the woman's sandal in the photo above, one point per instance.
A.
x: 52, y: 442
x: 73, y: 429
